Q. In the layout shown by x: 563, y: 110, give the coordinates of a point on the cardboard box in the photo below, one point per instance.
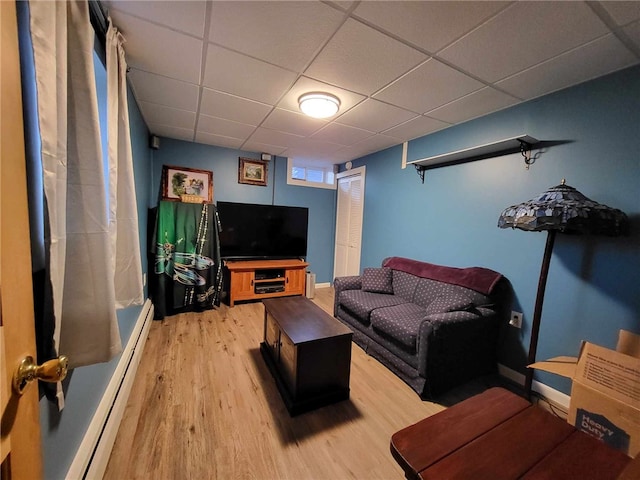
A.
x: 605, y: 391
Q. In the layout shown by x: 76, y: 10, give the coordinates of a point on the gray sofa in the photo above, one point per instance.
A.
x: 434, y: 326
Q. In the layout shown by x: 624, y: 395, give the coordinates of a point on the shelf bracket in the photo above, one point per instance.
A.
x: 420, y: 169
x: 525, y: 151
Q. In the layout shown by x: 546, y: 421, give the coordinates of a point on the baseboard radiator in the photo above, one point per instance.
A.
x: 93, y: 454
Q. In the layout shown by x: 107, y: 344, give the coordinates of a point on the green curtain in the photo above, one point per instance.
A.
x: 188, y: 270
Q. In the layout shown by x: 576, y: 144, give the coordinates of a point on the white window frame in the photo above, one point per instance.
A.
x: 306, y: 183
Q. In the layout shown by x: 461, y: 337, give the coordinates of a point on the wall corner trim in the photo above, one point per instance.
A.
x: 93, y: 453
x: 405, y: 147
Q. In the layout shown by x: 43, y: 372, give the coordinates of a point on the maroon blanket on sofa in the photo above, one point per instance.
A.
x: 476, y: 278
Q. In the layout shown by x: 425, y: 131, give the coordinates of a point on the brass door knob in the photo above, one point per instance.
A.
x: 54, y: 370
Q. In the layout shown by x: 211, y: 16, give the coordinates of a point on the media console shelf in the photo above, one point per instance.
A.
x: 256, y: 279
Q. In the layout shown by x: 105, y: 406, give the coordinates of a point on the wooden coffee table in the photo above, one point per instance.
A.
x: 308, y: 353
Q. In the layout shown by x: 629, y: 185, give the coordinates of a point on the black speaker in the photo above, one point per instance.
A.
x: 154, y: 142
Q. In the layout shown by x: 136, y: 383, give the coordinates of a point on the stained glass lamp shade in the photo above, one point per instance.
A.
x: 560, y: 209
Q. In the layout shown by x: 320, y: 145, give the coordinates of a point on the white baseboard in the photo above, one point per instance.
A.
x: 545, y: 391
x: 93, y: 454
x: 323, y: 285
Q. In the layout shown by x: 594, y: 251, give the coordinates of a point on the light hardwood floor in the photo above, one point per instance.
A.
x: 204, y: 406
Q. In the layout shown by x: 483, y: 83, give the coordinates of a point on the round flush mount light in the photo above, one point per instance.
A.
x: 319, y: 105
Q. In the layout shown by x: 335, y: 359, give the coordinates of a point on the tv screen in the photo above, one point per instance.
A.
x: 252, y: 231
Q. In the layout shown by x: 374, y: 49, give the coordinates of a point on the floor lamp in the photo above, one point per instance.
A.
x: 559, y: 209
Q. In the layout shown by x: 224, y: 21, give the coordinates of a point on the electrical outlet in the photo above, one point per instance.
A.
x: 516, y: 319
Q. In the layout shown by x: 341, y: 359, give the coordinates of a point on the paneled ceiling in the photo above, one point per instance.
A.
x: 230, y: 73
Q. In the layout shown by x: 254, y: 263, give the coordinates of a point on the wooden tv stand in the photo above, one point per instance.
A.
x: 257, y: 279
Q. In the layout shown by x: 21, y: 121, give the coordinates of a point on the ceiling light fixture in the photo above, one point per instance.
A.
x: 319, y: 105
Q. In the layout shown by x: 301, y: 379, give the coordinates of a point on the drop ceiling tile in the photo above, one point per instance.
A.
x: 225, y: 128
x: 362, y: 59
x: 163, y: 115
x: 429, y: 25
x: 369, y: 145
x: 292, y: 122
x: 375, y: 143
x: 633, y: 32
x: 161, y: 90
x: 185, y: 16
x: 302, y: 159
x: 273, y: 137
x: 341, y: 156
x: 367, y: 49
x: 524, y: 35
x: 345, y: 154
x: 594, y: 59
x: 312, y: 149
x: 160, y: 50
x: 171, y: 132
x: 375, y: 116
x: 341, y: 134
x: 218, y: 140
x: 251, y: 146
x: 474, y: 105
x: 623, y: 12
x: 343, y: 5
x: 417, y: 127
x: 265, y: 29
x: 428, y: 86
x: 243, y: 76
x: 305, y: 85
x: 232, y: 107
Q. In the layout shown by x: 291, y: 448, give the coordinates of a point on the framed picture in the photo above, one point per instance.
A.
x: 253, y: 172
x: 178, y: 181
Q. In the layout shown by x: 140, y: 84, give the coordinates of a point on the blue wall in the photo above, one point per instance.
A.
x: 62, y: 432
x: 592, y: 290
x: 223, y: 162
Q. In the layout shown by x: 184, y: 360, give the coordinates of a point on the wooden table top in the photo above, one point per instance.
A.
x: 499, y: 435
x: 302, y: 320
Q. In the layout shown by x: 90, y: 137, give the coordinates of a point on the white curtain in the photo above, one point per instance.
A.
x: 123, y: 215
x: 81, y: 270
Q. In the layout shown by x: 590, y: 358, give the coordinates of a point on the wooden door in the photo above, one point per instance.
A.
x: 21, y: 444
x: 350, y: 209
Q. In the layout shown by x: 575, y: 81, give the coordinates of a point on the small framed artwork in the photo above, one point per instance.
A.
x: 179, y: 182
x: 253, y: 172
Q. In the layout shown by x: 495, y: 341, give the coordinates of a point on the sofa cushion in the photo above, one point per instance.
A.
x: 426, y: 290
x: 438, y: 297
x: 404, y: 284
x: 362, y: 303
x: 400, y: 322
x: 446, y: 303
x: 377, y: 280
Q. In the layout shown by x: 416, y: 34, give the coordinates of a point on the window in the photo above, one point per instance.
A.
x: 310, y: 175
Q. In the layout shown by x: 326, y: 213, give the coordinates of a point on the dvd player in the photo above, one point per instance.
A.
x: 269, y: 288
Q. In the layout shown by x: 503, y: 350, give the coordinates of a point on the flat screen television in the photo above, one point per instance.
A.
x: 252, y: 231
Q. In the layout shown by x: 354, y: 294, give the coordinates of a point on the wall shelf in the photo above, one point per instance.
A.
x: 522, y: 143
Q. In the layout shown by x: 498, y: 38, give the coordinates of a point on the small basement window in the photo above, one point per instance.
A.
x: 306, y: 174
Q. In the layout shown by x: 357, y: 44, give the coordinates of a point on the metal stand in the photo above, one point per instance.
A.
x: 537, y: 312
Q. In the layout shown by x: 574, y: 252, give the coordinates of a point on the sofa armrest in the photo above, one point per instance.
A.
x: 353, y: 282
x: 449, y: 343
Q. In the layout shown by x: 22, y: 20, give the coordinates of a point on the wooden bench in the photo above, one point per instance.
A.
x: 499, y: 435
